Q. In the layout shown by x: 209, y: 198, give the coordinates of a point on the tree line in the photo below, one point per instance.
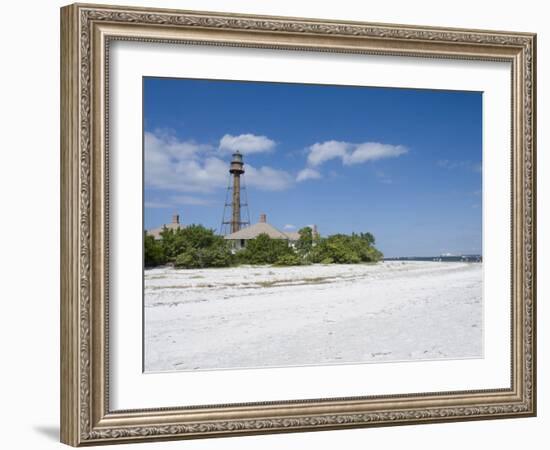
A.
x: 198, y: 247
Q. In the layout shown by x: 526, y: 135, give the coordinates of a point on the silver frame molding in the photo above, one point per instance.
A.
x: 86, y: 32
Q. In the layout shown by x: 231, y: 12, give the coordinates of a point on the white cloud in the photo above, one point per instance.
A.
x: 460, y: 164
x: 289, y: 226
x: 186, y: 175
x: 190, y: 200
x: 153, y: 204
x: 246, y: 143
x: 186, y: 166
x: 321, y: 152
x: 163, y: 141
x: 267, y: 178
x: 179, y: 165
x: 351, y: 153
x: 178, y: 200
x: 308, y: 174
x: 372, y: 151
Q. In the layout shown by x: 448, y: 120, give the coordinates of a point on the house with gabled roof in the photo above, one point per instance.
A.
x: 240, y: 237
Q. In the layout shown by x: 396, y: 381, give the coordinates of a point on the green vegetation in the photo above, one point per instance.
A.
x: 192, y: 247
x: 345, y: 249
x: 193, y: 237
x: 305, y: 243
x: 153, y: 252
x: 198, y: 247
x: 197, y: 258
x: 264, y: 250
x: 291, y: 259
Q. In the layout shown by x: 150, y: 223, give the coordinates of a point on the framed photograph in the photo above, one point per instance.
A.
x: 276, y: 224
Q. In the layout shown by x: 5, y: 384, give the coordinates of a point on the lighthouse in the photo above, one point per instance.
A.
x: 236, y: 197
x: 236, y: 169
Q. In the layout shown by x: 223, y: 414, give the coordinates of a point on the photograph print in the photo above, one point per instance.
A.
x: 292, y: 224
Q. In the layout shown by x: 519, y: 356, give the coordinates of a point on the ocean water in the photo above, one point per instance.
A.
x: 453, y: 258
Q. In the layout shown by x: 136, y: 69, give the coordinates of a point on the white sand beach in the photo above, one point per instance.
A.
x: 249, y: 317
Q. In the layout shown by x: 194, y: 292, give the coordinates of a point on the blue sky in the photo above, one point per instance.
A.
x: 404, y: 164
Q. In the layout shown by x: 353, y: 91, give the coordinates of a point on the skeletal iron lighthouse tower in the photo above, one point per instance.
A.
x: 235, y: 198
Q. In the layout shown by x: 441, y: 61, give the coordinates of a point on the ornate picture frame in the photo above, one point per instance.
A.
x: 87, y: 32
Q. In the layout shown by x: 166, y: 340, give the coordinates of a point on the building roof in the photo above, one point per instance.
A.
x: 262, y: 227
x: 155, y: 232
x: 175, y: 225
x: 255, y: 230
x: 293, y: 235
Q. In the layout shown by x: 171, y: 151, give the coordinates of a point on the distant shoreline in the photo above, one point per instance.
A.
x: 451, y: 258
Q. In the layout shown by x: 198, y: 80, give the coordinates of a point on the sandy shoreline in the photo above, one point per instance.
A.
x: 272, y: 316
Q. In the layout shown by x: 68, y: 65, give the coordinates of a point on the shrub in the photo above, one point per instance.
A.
x: 178, y: 241
x: 345, y: 249
x: 264, y: 250
x: 153, y: 252
x: 217, y: 255
x: 305, y: 242
x: 290, y: 259
x: 195, y: 247
x: 187, y: 259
